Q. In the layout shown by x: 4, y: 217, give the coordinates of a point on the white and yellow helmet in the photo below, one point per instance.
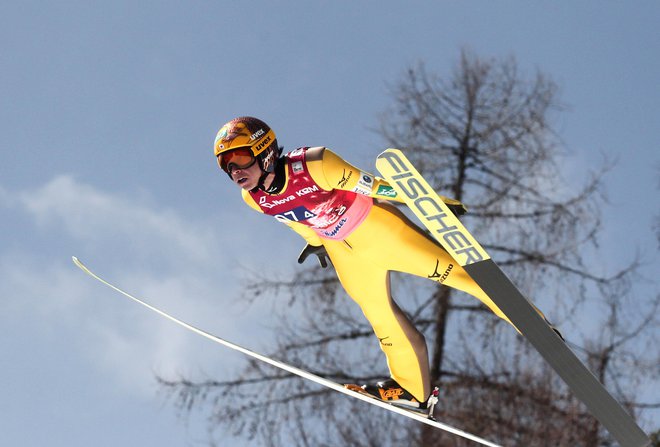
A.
x: 249, y: 133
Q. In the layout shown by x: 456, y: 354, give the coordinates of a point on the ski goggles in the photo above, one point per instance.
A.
x: 241, y: 158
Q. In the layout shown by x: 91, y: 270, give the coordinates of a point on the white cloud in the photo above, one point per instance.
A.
x: 91, y: 215
x: 68, y: 312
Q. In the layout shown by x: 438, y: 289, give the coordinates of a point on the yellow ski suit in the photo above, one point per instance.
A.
x: 386, y: 240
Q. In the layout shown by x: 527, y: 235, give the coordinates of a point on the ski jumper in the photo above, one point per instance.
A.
x: 331, y: 203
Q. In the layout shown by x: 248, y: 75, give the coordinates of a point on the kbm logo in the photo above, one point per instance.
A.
x: 444, y: 225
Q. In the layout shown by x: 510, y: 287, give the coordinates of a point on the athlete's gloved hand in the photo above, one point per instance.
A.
x: 455, y: 206
x: 319, y: 251
x: 458, y: 210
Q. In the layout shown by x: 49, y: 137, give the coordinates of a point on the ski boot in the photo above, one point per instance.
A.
x: 391, y: 392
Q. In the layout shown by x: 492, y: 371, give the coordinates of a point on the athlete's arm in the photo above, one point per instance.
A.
x: 332, y: 172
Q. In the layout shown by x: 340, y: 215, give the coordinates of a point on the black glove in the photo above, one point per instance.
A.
x: 319, y: 251
x: 458, y: 210
x: 455, y: 206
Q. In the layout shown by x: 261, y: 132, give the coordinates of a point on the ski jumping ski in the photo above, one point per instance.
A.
x: 445, y: 227
x: 291, y: 369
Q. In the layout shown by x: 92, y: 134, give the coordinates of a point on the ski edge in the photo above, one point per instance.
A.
x: 288, y: 368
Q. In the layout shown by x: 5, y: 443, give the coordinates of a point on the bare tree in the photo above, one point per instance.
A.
x: 482, y: 135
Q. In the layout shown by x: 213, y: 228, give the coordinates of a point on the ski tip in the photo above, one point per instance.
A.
x: 79, y: 264
x: 389, y: 150
x: 82, y: 267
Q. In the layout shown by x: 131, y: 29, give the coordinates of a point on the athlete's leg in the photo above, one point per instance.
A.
x: 404, y: 247
x: 404, y: 346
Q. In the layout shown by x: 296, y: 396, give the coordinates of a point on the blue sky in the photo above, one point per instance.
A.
x: 108, y: 114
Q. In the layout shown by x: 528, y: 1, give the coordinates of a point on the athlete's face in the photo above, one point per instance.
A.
x: 246, y: 178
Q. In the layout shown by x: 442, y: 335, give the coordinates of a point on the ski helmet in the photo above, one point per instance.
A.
x: 249, y: 133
